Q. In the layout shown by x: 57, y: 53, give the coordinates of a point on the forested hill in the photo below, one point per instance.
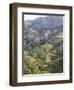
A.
x: 42, y: 28
x: 45, y: 23
x: 43, y: 45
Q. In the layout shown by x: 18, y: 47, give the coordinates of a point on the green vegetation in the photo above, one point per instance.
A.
x: 43, y: 59
x: 43, y: 45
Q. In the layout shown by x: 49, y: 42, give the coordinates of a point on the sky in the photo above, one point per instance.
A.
x: 32, y: 17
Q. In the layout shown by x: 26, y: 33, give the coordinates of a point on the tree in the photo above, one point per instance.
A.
x: 56, y: 63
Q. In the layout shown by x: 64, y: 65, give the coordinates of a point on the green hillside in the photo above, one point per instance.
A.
x: 43, y: 45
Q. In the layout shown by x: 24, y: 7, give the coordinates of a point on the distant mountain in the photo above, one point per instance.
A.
x: 45, y: 23
x: 43, y: 45
x: 44, y: 29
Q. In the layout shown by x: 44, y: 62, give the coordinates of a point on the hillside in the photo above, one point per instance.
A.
x: 43, y: 39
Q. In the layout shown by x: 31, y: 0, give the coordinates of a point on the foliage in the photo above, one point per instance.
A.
x: 41, y: 60
x: 56, y: 63
x: 43, y: 45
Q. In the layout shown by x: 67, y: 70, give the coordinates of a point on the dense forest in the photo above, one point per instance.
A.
x: 43, y: 45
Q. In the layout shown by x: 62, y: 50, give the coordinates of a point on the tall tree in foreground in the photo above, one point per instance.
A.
x: 56, y: 64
